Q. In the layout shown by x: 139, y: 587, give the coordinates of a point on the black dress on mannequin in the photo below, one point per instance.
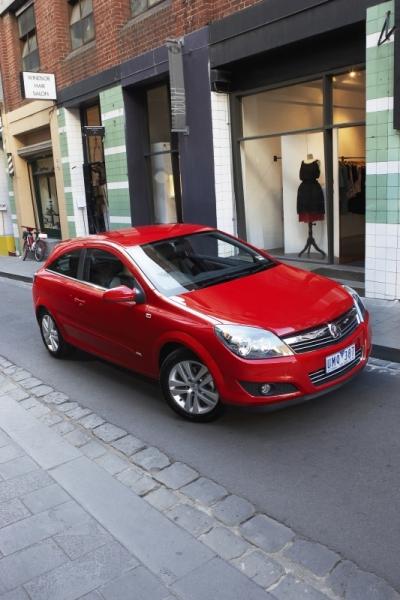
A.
x: 310, y: 202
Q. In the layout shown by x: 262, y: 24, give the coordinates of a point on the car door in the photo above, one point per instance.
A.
x: 113, y: 330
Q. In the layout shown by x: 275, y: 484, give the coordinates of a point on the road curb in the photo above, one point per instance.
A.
x: 16, y: 277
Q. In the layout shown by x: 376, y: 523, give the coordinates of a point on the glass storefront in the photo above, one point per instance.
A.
x: 302, y: 154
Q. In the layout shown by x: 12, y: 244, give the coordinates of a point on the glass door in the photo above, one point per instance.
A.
x: 46, y: 196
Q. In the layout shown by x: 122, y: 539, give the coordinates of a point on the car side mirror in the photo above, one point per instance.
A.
x: 119, y: 294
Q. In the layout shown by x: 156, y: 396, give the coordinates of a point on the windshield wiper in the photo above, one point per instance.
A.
x: 254, y: 268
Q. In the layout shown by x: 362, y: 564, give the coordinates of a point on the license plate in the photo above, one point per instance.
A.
x: 340, y: 359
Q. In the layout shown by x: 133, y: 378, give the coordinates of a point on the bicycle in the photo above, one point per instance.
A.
x: 33, y: 243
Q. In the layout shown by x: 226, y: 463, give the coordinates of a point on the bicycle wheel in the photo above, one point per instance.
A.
x: 40, y: 250
x: 25, y: 250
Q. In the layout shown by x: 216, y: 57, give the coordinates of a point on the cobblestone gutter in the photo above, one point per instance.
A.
x: 286, y: 565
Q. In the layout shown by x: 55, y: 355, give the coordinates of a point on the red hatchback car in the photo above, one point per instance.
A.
x: 217, y: 320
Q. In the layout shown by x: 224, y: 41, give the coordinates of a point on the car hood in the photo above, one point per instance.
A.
x: 282, y: 299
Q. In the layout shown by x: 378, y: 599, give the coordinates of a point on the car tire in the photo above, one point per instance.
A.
x: 51, y: 336
x: 189, y: 387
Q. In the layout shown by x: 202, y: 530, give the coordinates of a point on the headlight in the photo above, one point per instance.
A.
x: 358, y: 303
x: 251, y: 342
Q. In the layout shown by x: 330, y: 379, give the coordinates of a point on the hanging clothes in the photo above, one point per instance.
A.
x: 310, y: 197
x: 351, y: 187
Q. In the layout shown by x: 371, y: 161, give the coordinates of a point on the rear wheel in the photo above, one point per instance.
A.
x: 52, y: 338
x: 40, y: 250
x: 189, y: 387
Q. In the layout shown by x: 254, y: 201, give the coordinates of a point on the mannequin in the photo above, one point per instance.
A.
x: 310, y: 200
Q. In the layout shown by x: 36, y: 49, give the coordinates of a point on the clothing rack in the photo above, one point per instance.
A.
x: 352, y: 157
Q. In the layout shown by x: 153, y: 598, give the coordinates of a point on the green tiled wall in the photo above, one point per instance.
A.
x: 383, y: 142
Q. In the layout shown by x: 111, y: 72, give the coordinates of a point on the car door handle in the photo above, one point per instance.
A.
x: 79, y: 301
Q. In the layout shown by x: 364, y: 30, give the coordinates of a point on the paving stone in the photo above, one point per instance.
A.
x: 91, y: 596
x: 81, y: 539
x: 51, y: 419
x: 41, y: 390
x: 30, y: 383
x: 21, y: 374
x: 78, y: 413
x: 29, y: 403
x: 10, y: 370
x: 17, y: 594
x: 41, y: 526
x: 266, y: 533
x: 225, y: 543
x: 291, y: 588
x: 55, y: 398
x: 139, y: 584
x: 18, y: 394
x: 128, y: 445
x: 233, y: 510
x: 17, y: 466
x: 205, y: 491
x: 6, y: 387
x: 112, y: 463
x: 66, y: 406
x: 140, y: 483
x: 93, y: 449
x: 40, y: 411
x: 10, y: 452
x: 74, y: 579
x: 191, y: 519
x: 77, y: 438
x: 4, y: 439
x: 12, y: 511
x: 315, y: 557
x: 23, y: 566
x: 22, y: 485
x: 151, y: 459
x: 176, y: 475
x: 91, y: 421
x: 263, y: 570
x: 348, y: 581
x: 63, y: 428
x: 108, y: 432
x: 162, y: 499
x: 45, y: 498
x: 218, y: 580
x: 5, y: 363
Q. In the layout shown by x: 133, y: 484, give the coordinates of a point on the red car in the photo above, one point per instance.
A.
x: 217, y: 320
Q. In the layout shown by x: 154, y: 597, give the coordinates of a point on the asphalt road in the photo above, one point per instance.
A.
x: 329, y: 468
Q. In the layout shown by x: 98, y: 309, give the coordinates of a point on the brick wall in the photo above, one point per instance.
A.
x: 118, y: 36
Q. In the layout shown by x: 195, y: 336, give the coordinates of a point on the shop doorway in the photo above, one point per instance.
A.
x: 45, y: 193
x: 94, y: 170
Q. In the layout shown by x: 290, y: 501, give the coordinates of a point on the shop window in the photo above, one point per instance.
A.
x: 81, y: 23
x: 296, y: 107
x: 349, y: 97
x: 44, y: 181
x: 163, y: 157
x: 27, y: 36
x: 140, y: 6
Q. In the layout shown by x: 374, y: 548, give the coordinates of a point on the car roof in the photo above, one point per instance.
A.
x: 134, y: 236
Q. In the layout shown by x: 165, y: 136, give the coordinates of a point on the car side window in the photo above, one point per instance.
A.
x: 106, y: 270
x: 66, y: 264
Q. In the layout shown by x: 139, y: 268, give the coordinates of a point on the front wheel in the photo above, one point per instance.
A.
x: 52, y: 338
x: 25, y: 250
x: 40, y: 250
x: 189, y: 387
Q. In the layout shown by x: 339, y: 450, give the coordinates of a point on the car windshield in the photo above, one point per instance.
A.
x: 195, y: 261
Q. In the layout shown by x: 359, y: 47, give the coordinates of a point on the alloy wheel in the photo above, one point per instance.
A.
x: 50, y: 333
x: 192, y: 387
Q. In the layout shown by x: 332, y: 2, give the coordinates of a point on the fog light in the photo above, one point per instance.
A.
x: 265, y: 389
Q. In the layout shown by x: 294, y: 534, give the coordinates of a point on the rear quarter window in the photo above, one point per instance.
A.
x: 66, y: 264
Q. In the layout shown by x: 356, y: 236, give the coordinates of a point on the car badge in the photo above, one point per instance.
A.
x: 334, y: 330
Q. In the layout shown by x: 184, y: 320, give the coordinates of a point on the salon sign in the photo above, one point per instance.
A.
x: 38, y: 86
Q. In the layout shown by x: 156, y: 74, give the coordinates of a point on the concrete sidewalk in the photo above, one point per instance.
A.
x: 89, y: 512
x: 385, y: 314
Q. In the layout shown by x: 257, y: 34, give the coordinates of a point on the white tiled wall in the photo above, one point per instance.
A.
x: 75, y: 150
x: 226, y: 218
x: 382, y: 264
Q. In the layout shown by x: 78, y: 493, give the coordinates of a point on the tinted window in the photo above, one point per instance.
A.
x: 66, y: 264
x: 106, y: 270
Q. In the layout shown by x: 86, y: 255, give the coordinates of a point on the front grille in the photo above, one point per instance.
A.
x: 322, y: 336
x: 320, y: 377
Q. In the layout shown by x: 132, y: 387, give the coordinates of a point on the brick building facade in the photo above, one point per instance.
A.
x: 268, y: 84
